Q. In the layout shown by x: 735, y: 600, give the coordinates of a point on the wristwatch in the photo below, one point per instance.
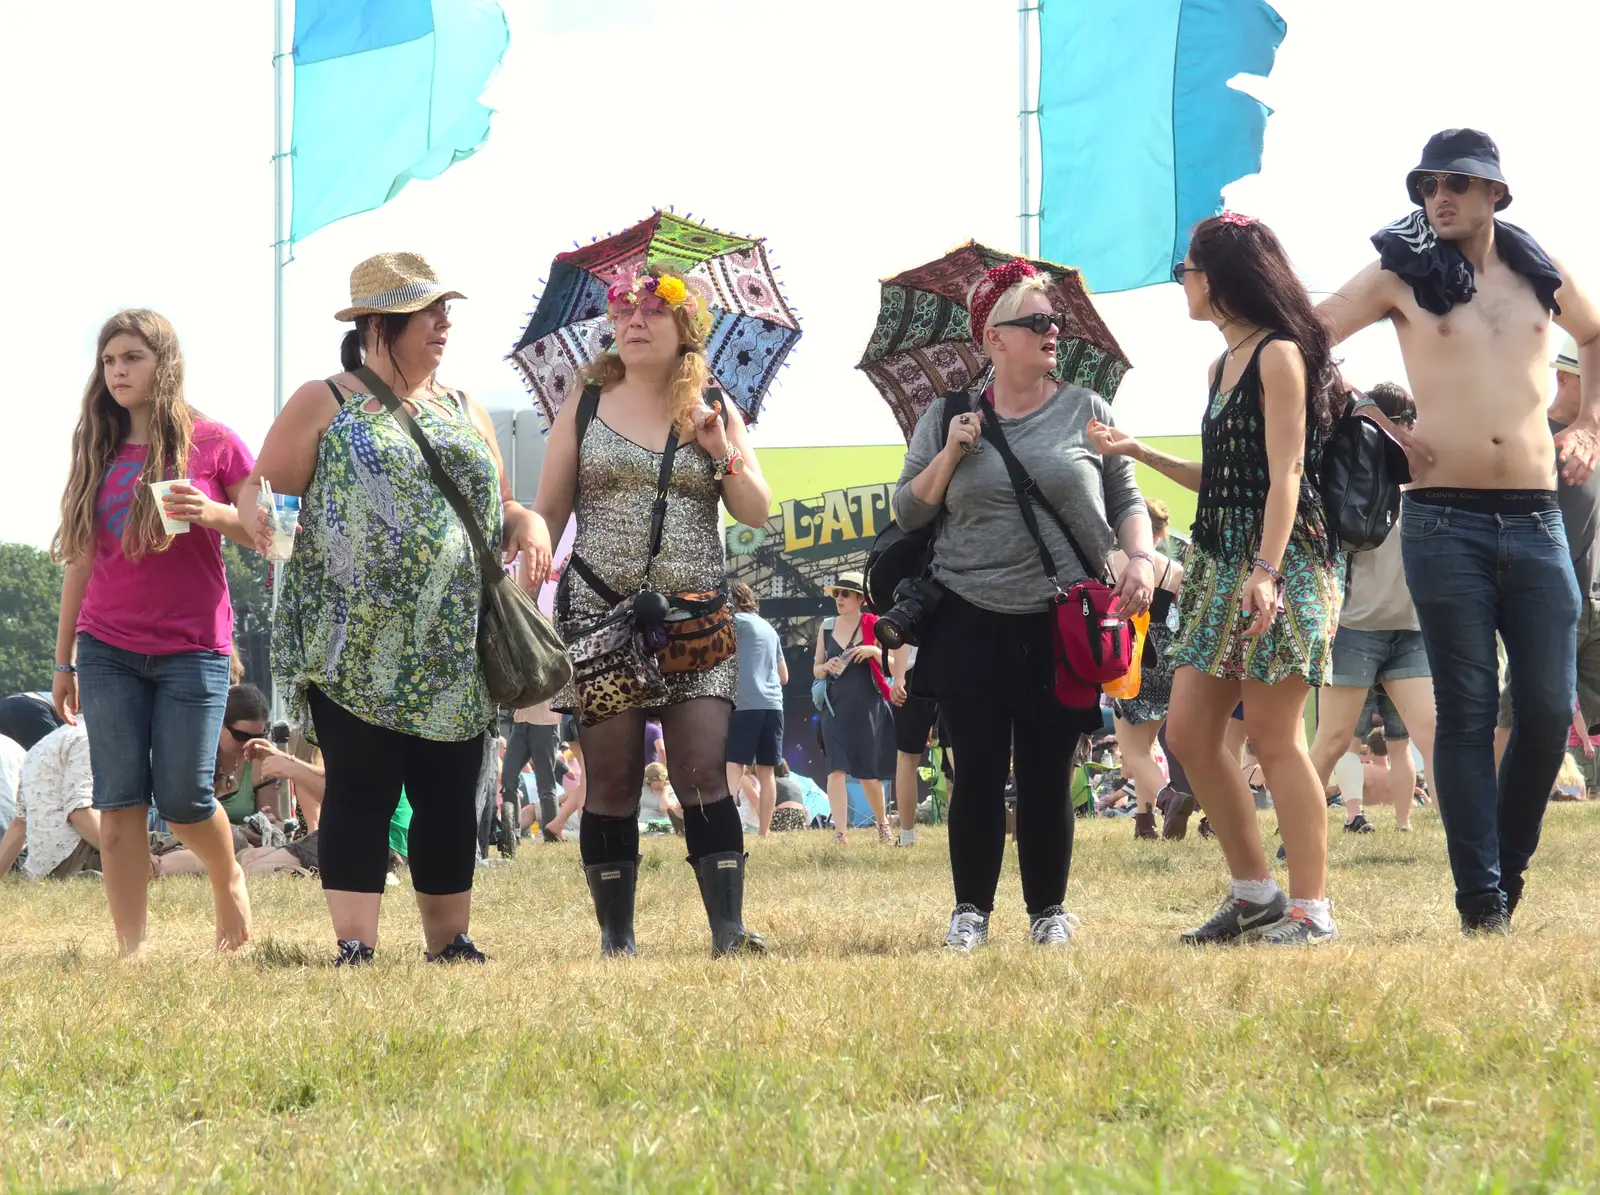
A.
x: 72, y: 668
x: 729, y: 466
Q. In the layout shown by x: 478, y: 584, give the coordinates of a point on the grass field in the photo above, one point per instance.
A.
x: 857, y: 1058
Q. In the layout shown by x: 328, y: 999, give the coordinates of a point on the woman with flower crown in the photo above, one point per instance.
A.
x: 645, y: 457
x: 1263, y: 585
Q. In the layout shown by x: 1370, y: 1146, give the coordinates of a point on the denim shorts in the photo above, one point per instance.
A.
x: 1363, y: 658
x: 153, y: 724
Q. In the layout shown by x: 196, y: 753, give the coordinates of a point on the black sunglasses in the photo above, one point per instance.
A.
x: 244, y: 736
x: 1182, y: 268
x: 1458, y: 184
x: 1038, y: 323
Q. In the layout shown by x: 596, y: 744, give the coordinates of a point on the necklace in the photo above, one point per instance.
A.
x: 1235, y: 348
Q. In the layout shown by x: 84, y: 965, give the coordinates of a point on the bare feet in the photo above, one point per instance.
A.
x: 233, y: 910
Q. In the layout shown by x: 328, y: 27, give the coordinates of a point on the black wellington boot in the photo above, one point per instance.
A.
x: 721, y: 879
x: 612, y: 886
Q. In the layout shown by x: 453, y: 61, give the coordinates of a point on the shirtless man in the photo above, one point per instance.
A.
x: 1471, y: 300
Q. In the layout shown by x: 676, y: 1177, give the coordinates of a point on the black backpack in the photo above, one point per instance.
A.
x: 899, y: 555
x: 1363, y: 468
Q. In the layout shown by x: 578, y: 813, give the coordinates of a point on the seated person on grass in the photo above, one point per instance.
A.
x: 54, y: 819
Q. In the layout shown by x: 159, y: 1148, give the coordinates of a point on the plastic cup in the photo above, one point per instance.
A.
x: 160, y: 489
x: 283, y: 519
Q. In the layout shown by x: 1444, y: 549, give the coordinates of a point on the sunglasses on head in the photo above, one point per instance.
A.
x: 1038, y: 323
x: 244, y: 736
x: 1458, y: 184
x: 1182, y: 268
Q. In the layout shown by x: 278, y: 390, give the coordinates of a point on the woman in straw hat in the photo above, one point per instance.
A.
x: 375, y: 646
x: 856, y: 723
x: 608, y: 453
x: 146, y: 621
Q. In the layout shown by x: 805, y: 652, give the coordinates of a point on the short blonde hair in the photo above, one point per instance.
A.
x: 1010, y: 302
x: 654, y: 772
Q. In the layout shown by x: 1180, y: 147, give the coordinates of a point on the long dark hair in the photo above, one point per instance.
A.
x: 1253, y: 283
x: 389, y: 327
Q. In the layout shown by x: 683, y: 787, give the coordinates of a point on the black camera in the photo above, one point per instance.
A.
x: 915, y: 600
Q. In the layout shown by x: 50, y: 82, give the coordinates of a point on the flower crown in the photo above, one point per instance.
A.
x: 652, y: 293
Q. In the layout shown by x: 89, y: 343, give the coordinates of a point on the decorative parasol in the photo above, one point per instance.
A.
x: 922, y: 346
x: 752, y: 327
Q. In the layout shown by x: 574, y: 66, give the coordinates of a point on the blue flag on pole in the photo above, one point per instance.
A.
x: 1139, y: 131
x: 385, y: 91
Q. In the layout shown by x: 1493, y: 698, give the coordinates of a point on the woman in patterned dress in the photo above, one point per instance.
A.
x: 1260, y: 600
x: 375, y: 646
x: 650, y: 383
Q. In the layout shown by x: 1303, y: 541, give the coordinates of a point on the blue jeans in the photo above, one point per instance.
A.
x: 153, y: 724
x: 1472, y: 575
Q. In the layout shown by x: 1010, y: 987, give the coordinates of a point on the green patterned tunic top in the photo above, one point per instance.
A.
x: 379, y: 605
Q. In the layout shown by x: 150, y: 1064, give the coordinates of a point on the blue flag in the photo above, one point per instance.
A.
x: 385, y: 91
x: 1138, y: 129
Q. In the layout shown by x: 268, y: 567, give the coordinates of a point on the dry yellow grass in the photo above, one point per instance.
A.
x: 856, y: 1058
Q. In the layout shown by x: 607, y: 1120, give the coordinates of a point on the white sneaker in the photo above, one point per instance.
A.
x: 969, y: 930
x: 1054, y: 928
x: 907, y: 838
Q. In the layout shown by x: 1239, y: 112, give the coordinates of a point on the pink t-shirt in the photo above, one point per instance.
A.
x: 173, y: 601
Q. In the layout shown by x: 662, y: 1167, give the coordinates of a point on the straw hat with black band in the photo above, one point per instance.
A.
x: 1460, y: 151
x: 393, y: 284
x: 851, y: 582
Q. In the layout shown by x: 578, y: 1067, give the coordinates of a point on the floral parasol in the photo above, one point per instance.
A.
x: 752, y: 327
x: 923, y: 347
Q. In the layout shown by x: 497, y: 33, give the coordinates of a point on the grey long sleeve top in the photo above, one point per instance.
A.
x: 984, y: 552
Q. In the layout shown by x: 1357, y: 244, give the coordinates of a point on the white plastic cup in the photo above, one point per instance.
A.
x: 160, y: 489
x: 283, y: 520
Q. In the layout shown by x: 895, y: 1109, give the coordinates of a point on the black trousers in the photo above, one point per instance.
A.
x: 993, y: 677
x: 538, y: 744
x: 367, y: 766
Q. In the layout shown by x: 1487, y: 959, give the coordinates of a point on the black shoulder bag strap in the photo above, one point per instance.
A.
x: 1027, y: 491
x: 488, y: 562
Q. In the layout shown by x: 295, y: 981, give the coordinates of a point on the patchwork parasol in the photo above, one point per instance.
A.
x: 922, y: 346
x: 752, y: 327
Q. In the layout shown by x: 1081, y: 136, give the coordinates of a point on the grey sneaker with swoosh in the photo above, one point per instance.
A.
x: 1237, y: 920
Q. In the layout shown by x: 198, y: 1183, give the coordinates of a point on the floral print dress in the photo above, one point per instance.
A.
x: 380, y: 601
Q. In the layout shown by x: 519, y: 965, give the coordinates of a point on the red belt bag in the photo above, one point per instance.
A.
x: 1093, y: 644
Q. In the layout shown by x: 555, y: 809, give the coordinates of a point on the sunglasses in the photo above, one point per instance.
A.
x: 1038, y: 323
x: 620, y: 312
x: 1182, y: 268
x: 244, y: 736
x: 1458, y: 184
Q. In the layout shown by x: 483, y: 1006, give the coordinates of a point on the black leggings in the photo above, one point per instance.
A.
x: 985, y: 738
x: 366, y: 767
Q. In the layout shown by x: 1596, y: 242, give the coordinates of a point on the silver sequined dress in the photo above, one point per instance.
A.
x: 616, y: 488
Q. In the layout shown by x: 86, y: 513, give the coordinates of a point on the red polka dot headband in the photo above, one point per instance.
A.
x: 995, y: 283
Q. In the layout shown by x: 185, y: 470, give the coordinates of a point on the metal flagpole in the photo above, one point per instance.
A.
x: 1024, y: 133
x: 282, y: 51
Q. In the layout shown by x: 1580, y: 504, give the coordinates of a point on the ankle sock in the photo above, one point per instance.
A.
x: 603, y: 839
x: 712, y: 829
x: 1258, y: 892
x: 908, y: 837
x: 1320, y: 911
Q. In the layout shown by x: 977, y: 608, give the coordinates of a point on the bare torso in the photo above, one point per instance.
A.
x: 1480, y: 378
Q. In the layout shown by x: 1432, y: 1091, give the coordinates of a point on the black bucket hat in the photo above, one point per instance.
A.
x: 1460, y: 151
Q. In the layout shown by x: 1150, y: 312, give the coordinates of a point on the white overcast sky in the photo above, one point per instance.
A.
x: 860, y: 137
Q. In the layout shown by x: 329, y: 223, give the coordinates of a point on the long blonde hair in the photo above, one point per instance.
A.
x: 688, y: 381
x: 103, y: 427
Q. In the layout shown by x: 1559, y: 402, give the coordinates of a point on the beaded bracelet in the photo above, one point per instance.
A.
x: 1276, y: 576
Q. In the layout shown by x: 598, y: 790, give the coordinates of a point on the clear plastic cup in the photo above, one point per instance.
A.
x: 160, y: 489
x: 283, y: 520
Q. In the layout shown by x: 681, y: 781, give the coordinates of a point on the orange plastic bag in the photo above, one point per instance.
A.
x: 1126, y: 686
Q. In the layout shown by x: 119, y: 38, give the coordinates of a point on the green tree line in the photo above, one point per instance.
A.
x: 30, y: 605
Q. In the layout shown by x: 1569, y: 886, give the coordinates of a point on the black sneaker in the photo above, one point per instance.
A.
x: 1237, y: 920
x: 1283, y: 853
x: 459, y: 951
x: 353, y: 954
x: 1358, y: 825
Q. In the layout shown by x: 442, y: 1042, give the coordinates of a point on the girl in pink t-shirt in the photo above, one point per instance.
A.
x: 146, y: 621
